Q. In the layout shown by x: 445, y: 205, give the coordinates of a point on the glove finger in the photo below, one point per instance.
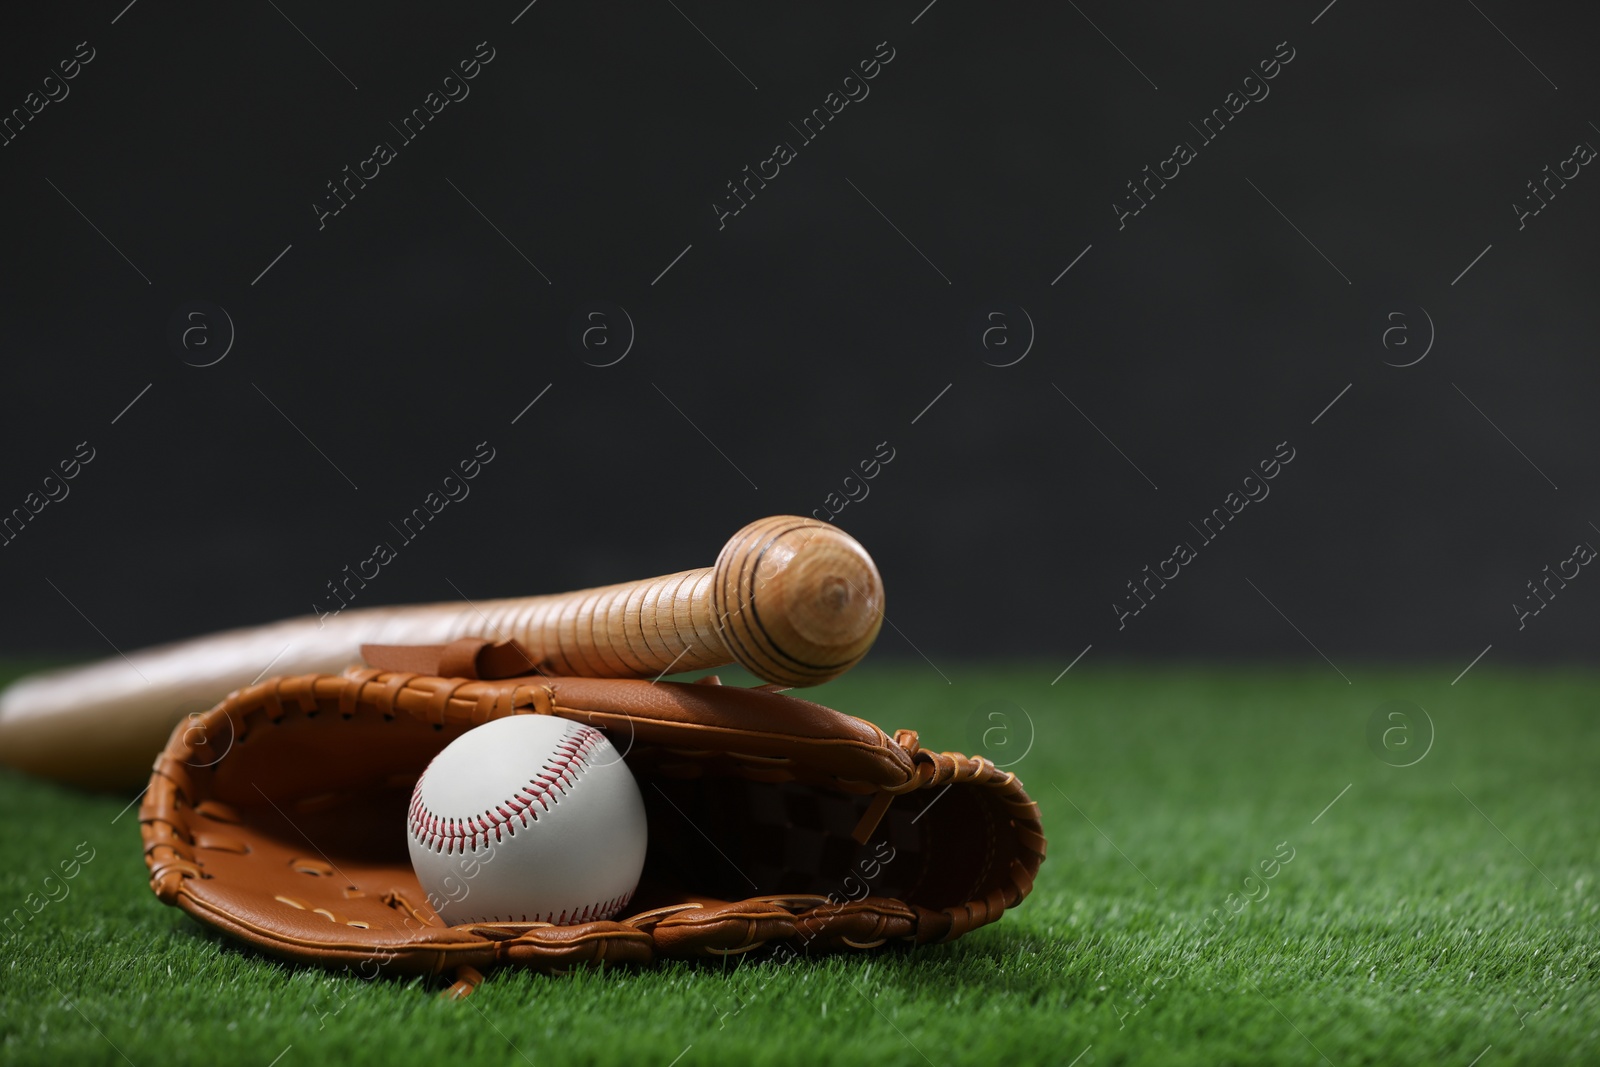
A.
x: 724, y: 929
x: 866, y: 923
x: 550, y: 948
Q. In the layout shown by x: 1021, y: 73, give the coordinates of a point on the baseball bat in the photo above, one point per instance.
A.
x: 795, y: 601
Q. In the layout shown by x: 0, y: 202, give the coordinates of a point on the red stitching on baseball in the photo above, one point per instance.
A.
x: 554, y: 779
x: 596, y: 912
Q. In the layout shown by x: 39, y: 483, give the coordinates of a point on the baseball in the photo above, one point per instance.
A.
x: 528, y: 818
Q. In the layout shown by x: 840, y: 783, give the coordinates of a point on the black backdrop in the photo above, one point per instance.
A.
x: 1357, y: 214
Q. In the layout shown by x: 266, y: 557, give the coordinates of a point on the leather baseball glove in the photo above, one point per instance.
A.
x: 279, y: 817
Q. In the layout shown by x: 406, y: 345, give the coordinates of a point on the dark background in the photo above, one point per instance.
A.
x: 809, y: 330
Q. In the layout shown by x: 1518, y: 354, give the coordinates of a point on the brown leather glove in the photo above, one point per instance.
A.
x: 279, y: 817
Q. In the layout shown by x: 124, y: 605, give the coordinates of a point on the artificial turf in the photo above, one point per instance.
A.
x: 1441, y: 913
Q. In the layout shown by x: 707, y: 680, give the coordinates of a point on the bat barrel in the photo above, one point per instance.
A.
x: 793, y: 600
x: 633, y: 630
x: 799, y: 601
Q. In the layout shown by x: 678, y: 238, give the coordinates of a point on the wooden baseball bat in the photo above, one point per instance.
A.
x: 795, y: 601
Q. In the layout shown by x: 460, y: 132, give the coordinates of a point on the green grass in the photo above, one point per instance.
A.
x: 1408, y: 927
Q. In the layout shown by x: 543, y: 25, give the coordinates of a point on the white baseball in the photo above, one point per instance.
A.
x: 528, y: 818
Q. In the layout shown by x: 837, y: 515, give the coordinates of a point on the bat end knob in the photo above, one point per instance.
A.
x: 799, y: 601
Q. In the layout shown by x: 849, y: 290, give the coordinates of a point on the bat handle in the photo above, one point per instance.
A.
x: 793, y: 600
